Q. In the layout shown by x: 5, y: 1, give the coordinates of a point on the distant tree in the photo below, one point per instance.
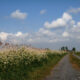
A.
x: 74, y: 49
x: 64, y: 48
x: 61, y: 48
x: 47, y: 49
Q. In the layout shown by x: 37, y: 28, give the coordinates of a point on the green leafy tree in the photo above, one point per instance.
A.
x: 64, y: 48
x: 74, y: 49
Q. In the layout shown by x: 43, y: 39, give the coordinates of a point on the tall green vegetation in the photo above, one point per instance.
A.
x: 77, y: 53
x: 25, y: 64
x: 74, y: 49
x: 75, y: 61
x: 64, y: 48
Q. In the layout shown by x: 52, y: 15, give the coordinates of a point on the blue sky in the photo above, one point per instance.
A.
x: 34, y: 15
x: 54, y: 9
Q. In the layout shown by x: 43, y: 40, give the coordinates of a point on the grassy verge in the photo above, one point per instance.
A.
x: 27, y: 65
x: 77, y: 53
x: 45, y: 69
x: 75, y: 61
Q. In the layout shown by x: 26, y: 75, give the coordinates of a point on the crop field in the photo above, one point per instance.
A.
x: 26, y: 64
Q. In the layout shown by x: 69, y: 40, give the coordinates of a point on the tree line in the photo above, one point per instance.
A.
x: 65, y: 48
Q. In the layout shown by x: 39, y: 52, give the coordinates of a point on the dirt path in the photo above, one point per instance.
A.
x: 64, y: 71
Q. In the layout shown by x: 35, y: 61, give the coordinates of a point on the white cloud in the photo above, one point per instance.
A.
x: 76, y: 27
x: 13, y: 37
x: 60, y: 22
x: 42, y: 11
x: 18, y: 15
x: 54, y: 24
x: 66, y: 17
x: 65, y: 34
x: 18, y: 34
x: 47, y: 37
x: 78, y: 24
x: 30, y: 40
x: 52, y: 41
x: 3, y: 36
x: 74, y: 10
x: 72, y: 22
x: 43, y: 31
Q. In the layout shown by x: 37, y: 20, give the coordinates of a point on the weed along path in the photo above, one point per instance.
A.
x: 64, y: 71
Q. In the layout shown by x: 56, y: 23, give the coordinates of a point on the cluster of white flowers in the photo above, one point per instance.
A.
x: 26, y: 55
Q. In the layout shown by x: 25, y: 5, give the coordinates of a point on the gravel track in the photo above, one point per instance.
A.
x: 64, y: 71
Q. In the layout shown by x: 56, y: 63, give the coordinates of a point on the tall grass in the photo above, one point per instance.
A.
x: 77, y: 53
x: 75, y: 61
x: 22, y: 64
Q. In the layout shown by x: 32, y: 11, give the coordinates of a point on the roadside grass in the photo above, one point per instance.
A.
x: 41, y: 72
x: 77, y: 53
x: 25, y: 64
x: 75, y: 61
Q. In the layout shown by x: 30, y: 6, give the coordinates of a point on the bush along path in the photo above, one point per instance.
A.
x: 23, y: 64
x: 77, y: 53
x: 75, y: 60
x: 77, y: 56
x: 64, y: 71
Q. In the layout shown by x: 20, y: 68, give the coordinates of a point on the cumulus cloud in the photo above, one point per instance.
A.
x: 42, y: 12
x: 74, y: 10
x: 78, y: 24
x: 76, y: 27
x: 18, y: 34
x: 3, y: 36
x: 55, y: 24
x: 48, y: 36
x: 13, y: 37
x: 65, y: 34
x: 43, y: 31
x: 66, y: 17
x: 60, y: 22
x: 18, y: 15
